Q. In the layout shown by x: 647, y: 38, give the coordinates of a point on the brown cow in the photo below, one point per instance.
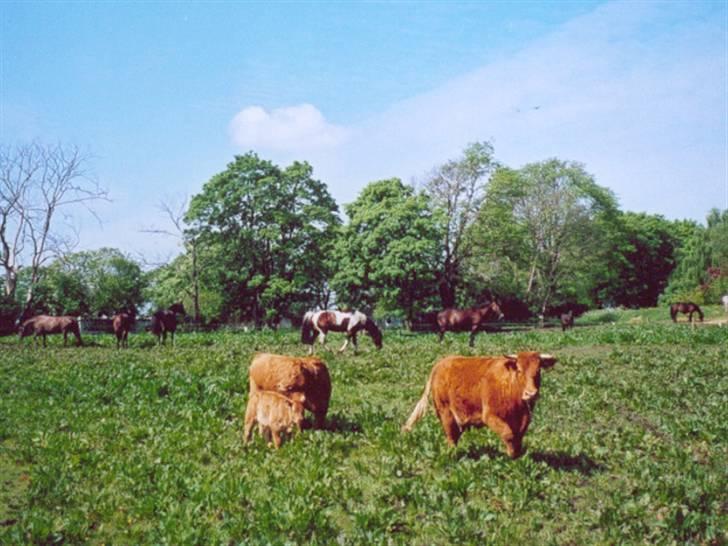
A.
x: 42, y: 325
x: 499, y: 392
x: 275, y: 414
x: 289, y: 375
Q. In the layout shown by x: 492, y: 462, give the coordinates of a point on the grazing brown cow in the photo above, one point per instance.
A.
x: 275, y: 414
x: 499, y: 392
x: 290, y: 376
x: 42, y: 325
x: 122, y: 323
x: 567, y: 321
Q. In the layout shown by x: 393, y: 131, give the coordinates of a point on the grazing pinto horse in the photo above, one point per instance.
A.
x: 165, y: 320
x: 321, y: 322
x: 687, y: 308
x: 42, y: 325
x: 122, y: 322
x: 464, y: 320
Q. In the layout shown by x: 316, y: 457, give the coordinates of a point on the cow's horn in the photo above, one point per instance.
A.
x: 546, y: 356
x: 514, y: 357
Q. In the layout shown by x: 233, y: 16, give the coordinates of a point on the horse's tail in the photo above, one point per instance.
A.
x: 421, y: 406
x: 156, y: 326
x: 308, y: 335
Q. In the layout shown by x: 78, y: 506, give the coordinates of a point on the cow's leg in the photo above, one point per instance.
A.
x: 449, y: 425
x: 502, y: 429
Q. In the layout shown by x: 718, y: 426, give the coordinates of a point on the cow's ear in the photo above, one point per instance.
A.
x: 547, y: 361
x: 511, y: 363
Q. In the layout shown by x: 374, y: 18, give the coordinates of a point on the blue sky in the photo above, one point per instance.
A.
x: 164, y: 94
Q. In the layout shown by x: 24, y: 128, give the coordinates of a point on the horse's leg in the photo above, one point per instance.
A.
x: 353, y: 341
x: 345, y: 345
x: 322, y: 338
x: 442, y: 335
x: 65, y: 337
x: 45, y: 341
x: 472, y: 336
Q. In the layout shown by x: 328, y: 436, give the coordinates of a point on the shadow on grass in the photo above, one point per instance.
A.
x: 342, y: 425
x: 559, y: 460
x: 476, y: 452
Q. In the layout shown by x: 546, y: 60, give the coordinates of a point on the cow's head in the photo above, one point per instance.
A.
x: 528, y: 365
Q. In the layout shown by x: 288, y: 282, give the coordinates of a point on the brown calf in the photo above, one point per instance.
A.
x: 288, y: 375
x: 275, y: 414
x: 498, y: 392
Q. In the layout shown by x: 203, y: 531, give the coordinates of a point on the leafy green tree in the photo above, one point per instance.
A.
x: 538, y: 231
x: 646, y: 261
x: 457, y: 188
x: 273, y: 227
x: 97, y: 281
x: 389, y: 253
x: 701, y: 274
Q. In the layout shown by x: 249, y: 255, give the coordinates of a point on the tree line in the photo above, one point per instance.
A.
x: 263, y: 243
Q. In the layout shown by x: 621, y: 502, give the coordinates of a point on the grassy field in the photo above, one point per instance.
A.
x: 629, y: 444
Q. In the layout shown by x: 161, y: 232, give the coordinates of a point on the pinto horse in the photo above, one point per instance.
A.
x: 42, y: 325
x: 319, y: 323
x: 122, y: 322
x: 165, y: 321
x: 464, y: 320
x: 686, y: 307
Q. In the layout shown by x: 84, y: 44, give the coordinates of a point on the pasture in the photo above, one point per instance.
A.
x: 628, y: 444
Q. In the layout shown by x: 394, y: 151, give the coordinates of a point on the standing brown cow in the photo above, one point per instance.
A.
x: 42, y: 325
x: 499, y: 392
x: 290, y: 376
x: 275, y: 414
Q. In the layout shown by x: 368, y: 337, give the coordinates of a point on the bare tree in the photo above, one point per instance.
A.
x: 175, y: 214
x: 37, y: 183
x: 458, y: 188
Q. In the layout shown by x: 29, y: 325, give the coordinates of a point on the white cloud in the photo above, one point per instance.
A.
x: 288, y: 130
x: 634, y: 91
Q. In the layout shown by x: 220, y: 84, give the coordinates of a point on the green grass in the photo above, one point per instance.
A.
x: 143, y: 446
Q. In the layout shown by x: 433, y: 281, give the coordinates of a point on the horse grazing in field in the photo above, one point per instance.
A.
x: 467, y: 320
x: 42, y: 325
x: 122, y: 322
x: 319, y: 323
x: 687, y: 308
x: 165, y: 321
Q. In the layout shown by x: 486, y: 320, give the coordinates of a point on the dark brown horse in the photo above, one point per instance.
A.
x: 165, y: 321
x: 319, y: 323
x: 686, y: 307
x: 42, y: 325
x: 122, y: 323
x: 467, y: 320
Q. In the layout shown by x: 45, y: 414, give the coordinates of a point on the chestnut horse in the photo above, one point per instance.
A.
x: 165, y: 321
x: 686, y: 307
x: 122, y: 322
x: 42, y: 325
x: 319, y: 323
x: 467, y: 320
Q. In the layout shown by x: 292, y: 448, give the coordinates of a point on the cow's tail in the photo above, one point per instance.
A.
x: 308, y: 335
x: 421, y: 406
